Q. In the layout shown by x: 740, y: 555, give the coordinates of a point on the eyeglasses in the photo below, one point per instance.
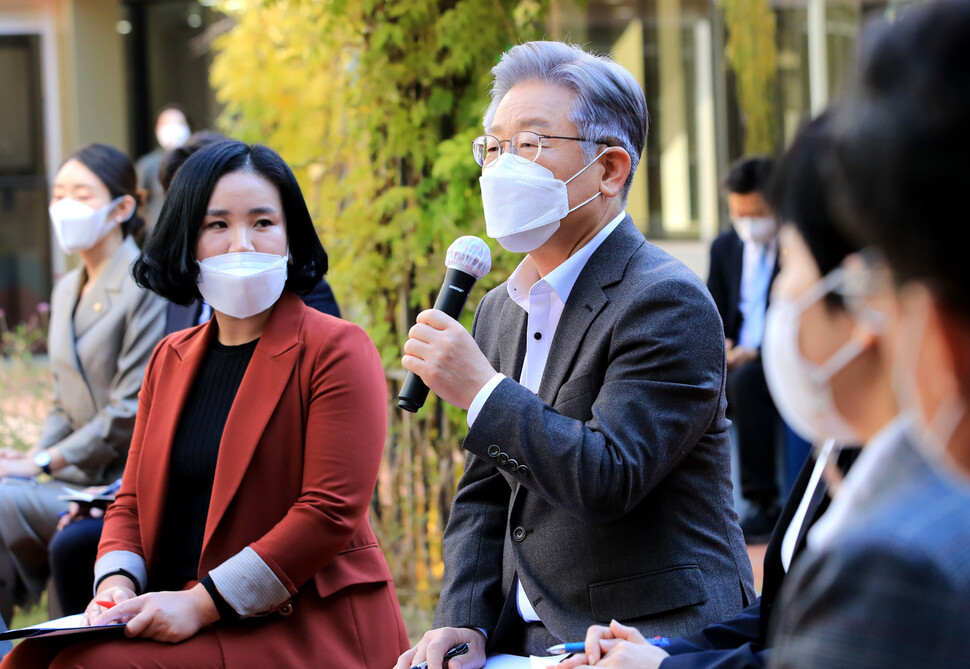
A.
x: 524, y: 145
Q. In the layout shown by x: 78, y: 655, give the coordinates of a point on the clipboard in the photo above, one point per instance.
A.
x: 68, y: 625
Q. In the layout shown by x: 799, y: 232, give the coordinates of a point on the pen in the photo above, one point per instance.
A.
x: 580, y: 646
x: 460, y: 649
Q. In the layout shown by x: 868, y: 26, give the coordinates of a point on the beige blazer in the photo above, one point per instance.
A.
x: 98, y: 347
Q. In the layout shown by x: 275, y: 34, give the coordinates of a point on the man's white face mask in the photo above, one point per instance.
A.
x: 755, y: 229
x: 172, y: 135
x: 931, y: 434
x: 524, y: 202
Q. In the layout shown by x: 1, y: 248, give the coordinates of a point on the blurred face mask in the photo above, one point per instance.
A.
x: 242, y: 284
x: 757, y: 230
x: 930, y: 434
x: 172, y: 135
x: 78, y: 226
x: 524, y: 202
x: 801, y: 390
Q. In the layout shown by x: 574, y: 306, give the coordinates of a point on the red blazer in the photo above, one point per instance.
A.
x: 296, y: 470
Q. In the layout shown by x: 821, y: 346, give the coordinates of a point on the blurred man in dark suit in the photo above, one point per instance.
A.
x: 744, y: 263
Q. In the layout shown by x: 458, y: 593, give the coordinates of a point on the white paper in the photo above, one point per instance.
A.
x: 520, y: 662
x: 65, y: 623
x: 72, y: 495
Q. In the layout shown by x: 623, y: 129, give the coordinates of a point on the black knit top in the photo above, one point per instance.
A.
x: 193, y: 464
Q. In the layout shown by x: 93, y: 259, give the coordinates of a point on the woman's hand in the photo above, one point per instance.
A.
x: 19, y: 465
x: 616, y: 647
x: 78, y: 510
x: 115, y: 589
x: 164, y: 616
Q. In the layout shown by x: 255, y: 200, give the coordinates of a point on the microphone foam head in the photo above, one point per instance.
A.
x: 470, y: 255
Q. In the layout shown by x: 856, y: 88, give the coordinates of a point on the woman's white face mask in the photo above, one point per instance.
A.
x: 242, y: 284
x: 801, y: 389
x: 78, y: 227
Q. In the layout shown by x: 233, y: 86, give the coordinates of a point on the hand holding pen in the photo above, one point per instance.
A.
x: 460, y: 649
x: 614, y: 647
x: 446, y: 648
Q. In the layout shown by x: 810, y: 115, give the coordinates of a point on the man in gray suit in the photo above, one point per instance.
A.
x: 597, y: 482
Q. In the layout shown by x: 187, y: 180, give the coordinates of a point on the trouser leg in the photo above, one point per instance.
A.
x: 755, y: 418
x: 28, y: 518
x: 72, y: 555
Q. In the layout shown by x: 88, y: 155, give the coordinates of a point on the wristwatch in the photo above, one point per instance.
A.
x: 43, y: 460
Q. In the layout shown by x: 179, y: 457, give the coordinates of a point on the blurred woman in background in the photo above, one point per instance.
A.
x: 103, y: 329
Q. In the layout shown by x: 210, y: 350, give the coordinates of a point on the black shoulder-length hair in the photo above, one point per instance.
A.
x: 801, y: 194
x: 167, y: 265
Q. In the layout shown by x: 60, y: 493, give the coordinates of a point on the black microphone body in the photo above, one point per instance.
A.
x: 451, y: 300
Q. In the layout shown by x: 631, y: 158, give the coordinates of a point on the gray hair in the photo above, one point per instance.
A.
x: 608, y: 105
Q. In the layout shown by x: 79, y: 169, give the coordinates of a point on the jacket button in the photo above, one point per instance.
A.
x: 513, y: 464
x: 519, y: 533
x: 493, y: 450
x: 286, y: 609
x: 523, y: 470
x: 503, y: 458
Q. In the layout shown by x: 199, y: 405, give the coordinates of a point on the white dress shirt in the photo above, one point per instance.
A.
x: 795, y: 527
x: 858, y: 488
x: 543, y: 299
x: 757, y: 266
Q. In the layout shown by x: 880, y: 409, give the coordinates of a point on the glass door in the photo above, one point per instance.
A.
x: 25, y: 266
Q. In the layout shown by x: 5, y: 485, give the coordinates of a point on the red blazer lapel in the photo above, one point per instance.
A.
x: 173, y: 386
x: 264, y: 383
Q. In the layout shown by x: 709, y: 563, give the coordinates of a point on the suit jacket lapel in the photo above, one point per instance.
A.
x: 511, y: 348
x: 735, y: 266
x: 262, y: 386
x: 586, y: 300
x: 62, y: 335
x: 105, y: 289
x: 822, y: 497
x: 168, y: 404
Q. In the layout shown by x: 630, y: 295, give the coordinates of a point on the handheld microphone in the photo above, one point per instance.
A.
x: 468, y: 260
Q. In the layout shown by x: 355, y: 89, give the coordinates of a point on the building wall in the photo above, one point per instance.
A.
x: 96, y: 54
x: 90, y: 68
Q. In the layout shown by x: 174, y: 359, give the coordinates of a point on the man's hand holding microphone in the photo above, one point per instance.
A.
x: 440, y: 354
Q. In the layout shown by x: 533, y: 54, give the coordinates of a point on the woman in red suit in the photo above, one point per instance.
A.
x: 241, y: 527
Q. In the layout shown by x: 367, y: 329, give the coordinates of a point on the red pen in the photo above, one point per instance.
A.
x: 102, y: 603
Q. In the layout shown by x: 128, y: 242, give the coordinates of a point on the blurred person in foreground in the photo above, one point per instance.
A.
x: 888, y: 583
x: 102, y: 331
x: 240, y: 536
x: 744, y: 263
x: 822, y: 353
x: 597, y: 480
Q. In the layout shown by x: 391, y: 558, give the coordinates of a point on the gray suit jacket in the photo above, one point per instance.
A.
x: 893, y: 589
x: 608, y: 495
x: 99, y: 346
